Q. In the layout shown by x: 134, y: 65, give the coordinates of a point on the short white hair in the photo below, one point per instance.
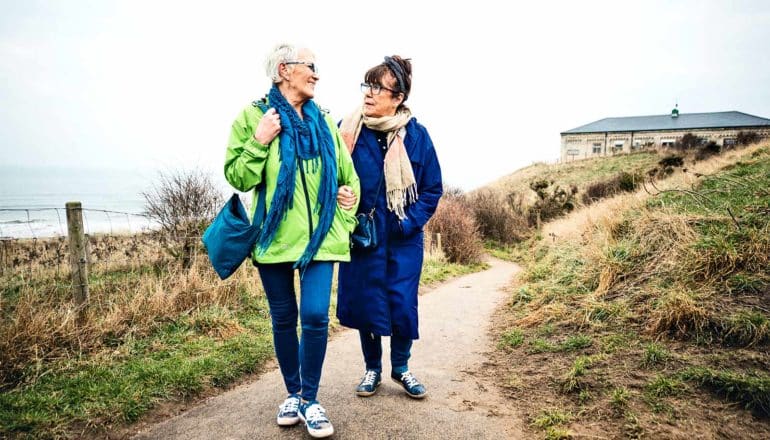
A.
x: 280, y: 54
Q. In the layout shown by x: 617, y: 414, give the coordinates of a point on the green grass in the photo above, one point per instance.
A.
x: 174, y: 363
x: 751, y: 389
x: 435, y: 271
x: 573, y: 380
x: 512, y: 338
x: 619, y: 398
x: 655, y: 354
x: 571, y: 343
x: 551, y: 417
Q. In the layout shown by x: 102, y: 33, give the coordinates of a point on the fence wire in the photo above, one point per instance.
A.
x: 108, y: 248
x: 33, y: 241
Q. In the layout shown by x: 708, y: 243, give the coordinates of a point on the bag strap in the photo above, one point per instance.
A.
x: 260, y: 213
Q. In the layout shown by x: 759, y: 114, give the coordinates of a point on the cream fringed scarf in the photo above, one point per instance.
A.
x: 400, y: 186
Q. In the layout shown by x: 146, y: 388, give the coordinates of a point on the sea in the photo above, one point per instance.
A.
x: 32, y: 200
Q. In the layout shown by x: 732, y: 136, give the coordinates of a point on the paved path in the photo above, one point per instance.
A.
x: 454, y: 320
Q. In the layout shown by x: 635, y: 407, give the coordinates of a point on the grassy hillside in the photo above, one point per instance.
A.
x: 647, y: 315
x: 578, y: 173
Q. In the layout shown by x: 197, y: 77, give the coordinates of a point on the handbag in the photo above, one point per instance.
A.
x: 231, y: 237
x: 364, y: 236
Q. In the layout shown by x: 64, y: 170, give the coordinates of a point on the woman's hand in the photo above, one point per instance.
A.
x: 268, y: 128
x: 346, y: 198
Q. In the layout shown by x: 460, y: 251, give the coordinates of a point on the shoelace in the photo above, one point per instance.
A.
x: 369, y: 378
x: 409, y: 379
x: 316, y: 414
x: 290, y: 405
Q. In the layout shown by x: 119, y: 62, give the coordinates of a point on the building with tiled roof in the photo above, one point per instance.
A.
x: 623, y: 135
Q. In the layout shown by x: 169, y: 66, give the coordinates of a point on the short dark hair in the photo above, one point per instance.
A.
x: 403, y: 78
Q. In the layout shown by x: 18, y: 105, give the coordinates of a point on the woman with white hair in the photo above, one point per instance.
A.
x: 289, y: 150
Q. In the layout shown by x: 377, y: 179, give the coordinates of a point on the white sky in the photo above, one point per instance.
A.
x: 156, y: 84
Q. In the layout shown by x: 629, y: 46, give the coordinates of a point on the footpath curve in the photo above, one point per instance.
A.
x: 454, y: 323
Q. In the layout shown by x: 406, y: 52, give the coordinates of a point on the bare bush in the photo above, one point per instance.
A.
x: 619, y: 183
x: 461, y: 240
x: 747, y: 137
x: 183, y: 203
x: 501, y: 220
x: 707, y: 150
x: 689, y: 142
x: 551, y: 203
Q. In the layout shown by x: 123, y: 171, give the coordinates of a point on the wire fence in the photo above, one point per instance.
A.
x: 35, y: 241
x: 112, y: 240
x: 52, y: 222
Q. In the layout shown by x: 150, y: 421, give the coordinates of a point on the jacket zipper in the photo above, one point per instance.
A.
x: 307, y: 197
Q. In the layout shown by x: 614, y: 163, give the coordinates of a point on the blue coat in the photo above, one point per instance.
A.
x: 378, y: 288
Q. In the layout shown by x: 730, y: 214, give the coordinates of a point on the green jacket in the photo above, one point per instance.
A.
x: 248, y: 163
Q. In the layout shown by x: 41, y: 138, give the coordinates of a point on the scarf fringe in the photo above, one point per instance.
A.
x: 398, y: 199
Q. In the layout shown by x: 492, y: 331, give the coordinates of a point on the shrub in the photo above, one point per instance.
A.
x: 461, y: 240
x: 499, y: 220
x: 707, y: 150
x: 747, y: 137
x: 689, y: 142
x: 666, y: 167
x: 621, y: 182
x: 552, y: 203
x: 183, y: 203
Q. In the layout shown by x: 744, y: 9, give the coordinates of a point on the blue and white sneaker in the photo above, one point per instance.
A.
x: 411, y: 385
x: 369, y: 383
x: 314, y: 416
x: 288, y: 412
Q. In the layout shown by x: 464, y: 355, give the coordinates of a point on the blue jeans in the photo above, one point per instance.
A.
x: 300, y: 360
x: 400, y: 347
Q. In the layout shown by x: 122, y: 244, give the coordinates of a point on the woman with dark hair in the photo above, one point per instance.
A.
x: 290, y: 152
x: 401, y: 186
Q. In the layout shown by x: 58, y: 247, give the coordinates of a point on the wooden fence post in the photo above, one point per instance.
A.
x: 77, y: 249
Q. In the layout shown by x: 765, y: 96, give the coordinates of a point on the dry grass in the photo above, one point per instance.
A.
x: 671, y: 269
x: 578, y: 173
x: 604, y: 213
x: 127, y: 299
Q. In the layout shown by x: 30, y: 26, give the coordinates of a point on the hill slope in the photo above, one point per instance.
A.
x: 578, y: 173
x: 646, y: 315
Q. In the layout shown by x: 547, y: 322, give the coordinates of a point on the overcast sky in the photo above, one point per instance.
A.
x: 156, y: 84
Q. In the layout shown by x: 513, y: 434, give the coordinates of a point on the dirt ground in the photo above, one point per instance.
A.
x: 534, y: 384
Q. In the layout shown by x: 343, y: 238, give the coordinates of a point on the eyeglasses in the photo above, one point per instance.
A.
x: 312, y: 66
x: 375, y: 89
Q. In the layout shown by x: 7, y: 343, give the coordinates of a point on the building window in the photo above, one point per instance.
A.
x: 667, y: 143
x: 618, y: 146
x: 728, y: 142
x: 573, y: 152
x: 597, y: 149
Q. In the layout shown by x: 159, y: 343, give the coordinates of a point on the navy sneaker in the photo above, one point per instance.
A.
x: 314, y: 416
x: 369, y: 383
x: 288, y: 412
x: 411, y: 385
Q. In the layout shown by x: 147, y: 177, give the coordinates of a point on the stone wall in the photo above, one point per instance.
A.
x: 588, y: 145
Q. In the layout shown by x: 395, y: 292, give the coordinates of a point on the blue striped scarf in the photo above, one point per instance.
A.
x: 311, y: 141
